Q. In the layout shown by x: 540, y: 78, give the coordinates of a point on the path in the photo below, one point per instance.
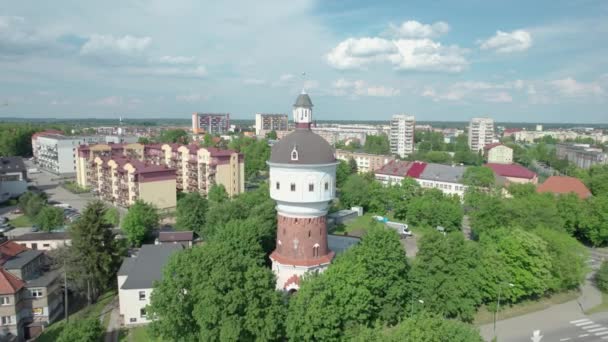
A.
x: 113, y: 328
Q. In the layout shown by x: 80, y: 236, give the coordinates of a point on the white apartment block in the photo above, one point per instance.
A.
x: 481, y: 133
x: 402, y: 134
x: 266, y: 123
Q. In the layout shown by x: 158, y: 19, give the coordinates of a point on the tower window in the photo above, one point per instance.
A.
x: 309, y: 233
x: 315, y: 250
x: 278, y: 185
x: 326, y: 186
x: 294, y: 154
x: 293, y: 186
x: 311, y: 187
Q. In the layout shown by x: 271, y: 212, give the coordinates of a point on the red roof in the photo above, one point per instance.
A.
x: 489, y: 146
x: 511, y: 170
x: 416, y: 169
x: 395, y: 168
x: 564, y: 185
x: 216, y: 152
x: 9, y: 284
x: 9, y: 249
x: 512, y: 130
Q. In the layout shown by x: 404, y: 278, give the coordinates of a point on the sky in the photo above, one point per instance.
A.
x: 530, y: 61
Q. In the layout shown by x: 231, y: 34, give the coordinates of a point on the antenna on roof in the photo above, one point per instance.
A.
x: 303, y: 82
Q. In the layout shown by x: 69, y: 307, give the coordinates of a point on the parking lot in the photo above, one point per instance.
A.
x: 50, y: 184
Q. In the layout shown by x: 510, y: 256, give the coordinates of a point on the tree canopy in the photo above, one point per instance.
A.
x: 81, y: 330
x: 478, y: 176
x: 191, y: 212
x: 139, y: 222
x: 377, y: 144
x: 49, y: 218
x: 177, y: 135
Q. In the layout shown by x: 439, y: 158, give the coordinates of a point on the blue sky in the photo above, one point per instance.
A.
x: 534, y: 61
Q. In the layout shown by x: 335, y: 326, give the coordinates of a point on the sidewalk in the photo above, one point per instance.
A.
x: 113, y: 328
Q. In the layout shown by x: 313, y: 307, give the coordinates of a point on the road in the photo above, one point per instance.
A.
x: 49, y: 183
x: 562, y: 322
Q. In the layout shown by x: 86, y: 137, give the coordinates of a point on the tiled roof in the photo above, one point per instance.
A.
x: 511, y: 170
x: 9, y: 284
x: 490, y: 146
x: 443, y: 173
x: 216, y: 152
x: 564, y: 185
x: 175, y: 236
x: 416, y: 169
x: 395, y: 168
x: 9, y: 249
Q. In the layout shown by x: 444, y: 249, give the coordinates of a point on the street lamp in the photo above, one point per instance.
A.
x: 498, y: 303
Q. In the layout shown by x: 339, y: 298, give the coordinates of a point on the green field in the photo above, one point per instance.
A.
x: 21, y: 221
x: 139, y: 334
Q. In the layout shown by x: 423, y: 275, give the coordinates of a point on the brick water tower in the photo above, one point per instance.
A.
x: 303, y: 183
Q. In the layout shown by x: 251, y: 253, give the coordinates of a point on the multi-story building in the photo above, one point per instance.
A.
x: 194, y: 168
x: 498, y: 153
x: 30, y: 293
x: 13, y: 177
x: 481, y: 133
x: 211, y: 123
x: 447, y: 178
x: 513, y: 173
x: 366, y: 162
x: 402, y: 134
x: 265, y: 123
x: 581, y: 155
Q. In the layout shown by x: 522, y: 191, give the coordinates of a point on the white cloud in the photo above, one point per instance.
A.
x: 190, y: 98
x: 107, y: 45
x: 354, y: 53
x: 507, y: 42
x: 572, y: 88
x: 177, y: 60
x: 476, y: 91
x: 356, y: 88
x: 499, y: 97
x: 173, y: 71
x: 415, y: 29
x: 110, y: 101
x: 16, y: 38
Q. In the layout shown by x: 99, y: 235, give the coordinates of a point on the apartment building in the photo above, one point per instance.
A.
x: 194, y: 168
x: 366, y: 162
x: 13, y: 178
x: 481, y: 133
x: 498, y: 153
x: 212, y: 123
x: 402, y: 134
x: 581, y: 155
x: 30, y: 293
x: 265, y: 123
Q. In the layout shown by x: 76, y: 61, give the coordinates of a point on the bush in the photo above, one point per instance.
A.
x: 601, y: 277
x: 75, y: 188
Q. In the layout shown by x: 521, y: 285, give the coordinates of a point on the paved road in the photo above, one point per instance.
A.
x: 49, y: 183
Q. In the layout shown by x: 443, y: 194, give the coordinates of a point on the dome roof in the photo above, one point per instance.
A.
x: 311, y: 149
x: 303, y: 100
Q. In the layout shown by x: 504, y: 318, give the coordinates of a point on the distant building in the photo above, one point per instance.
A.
x: 498, y: 153
x: 447, y: 178
x: 564, y: 185
x: 481, y: 133
x: 402, y: 135
x: 265, y: 123
x: 136, y: 278
x: 395, y: 171
x: 211, y: 123
x: 513, y: 173
x: 13, y: 178
x: 366, y: 162
x: 509, y: 132
x: 582, y: 156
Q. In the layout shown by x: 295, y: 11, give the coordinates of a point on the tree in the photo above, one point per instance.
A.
x: 352, y: 164
x: 408, y: 189
x: 256, y: 152
x: 446, y: 276
x: 93, y: 257
x: 570, y: 208
x: 191, y: 212
x: 215, y: 292
x: 144, y: 140
x: 521, y: 190
x: 49, y: 218
x: 479, y: 176
x: 217, y: 193
x: 343, y: 170
x: 207, y: 140
x: 31, y: 203
x: 355, y: 192
x: 594, y: 221
x: 112, y: 217
x: 376, y: 144
x: 598, y: 180
x: 271, y: 135
x: 365, y: 284
x: 601, y: 277
x: 81, y: 330
x: 177, y: 135
x: 433, y: 209
x: 139, y: 222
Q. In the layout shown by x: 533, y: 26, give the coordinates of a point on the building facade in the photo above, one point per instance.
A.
x: 498, y: 153
x: 366, y: 162
x: 481, y: 133
x: 447, y: 178
x: 582, y: 156
x: 402, y: 135
x: 13, y: 178
x: 303, y: 183
x: 212, y: 123
x: 265, y: 123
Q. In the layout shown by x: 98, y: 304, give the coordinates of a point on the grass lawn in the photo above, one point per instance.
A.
x: 600, y: 308
x: 485, y: 316
x: 139, y: 334
x: 52, y: 332
x: 21, y: 221
x: 361, y: 223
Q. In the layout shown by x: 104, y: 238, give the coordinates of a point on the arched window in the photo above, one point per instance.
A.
x: 326, y: 186
x: 293, y: 186
x: 294, y: 154
x: 311, y: 187
x: 315, y: 250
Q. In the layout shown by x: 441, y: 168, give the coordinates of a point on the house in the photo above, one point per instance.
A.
x: 44, y: 241
x: 396, y: 170
x: 447, y: 178
x: 498, y: 153
x: 13, y: 178
x: 30, y: 293
x: 184, y: 238
x: 366, y: 162
x: 513, y: 173
x: 136, y: 278
x: 563, y: 185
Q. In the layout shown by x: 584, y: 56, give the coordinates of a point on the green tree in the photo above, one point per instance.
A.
x: 570, y: 208
x: 81, y: 330
x: 177, y: 135
x: 215, y: 292
x: 407, y: 190
x: 433, y: 209
x: 479, y: 176
x: 343, y: 170
x: 217, y: 193
x: 521, y: 190
x: 271, y: 135
x: 112, y: 217
x: 446, y: 276
x: 144, y: 140
x: 93, y: 257
x: 601, y: 277
x: 377, y: 144
x: 352, y: 164
x: 594, y: 221
x: 598, y: 180
x: 139, y: 222
x: 207, y: 140
x: 568, y: 259
x: 191, y: 212
x: 355, y: 192
x: 31, y: 203
x: 49, y: 218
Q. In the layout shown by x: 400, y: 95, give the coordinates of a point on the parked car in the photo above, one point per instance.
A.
x: 3, y: 219
x: 5, y: 228
x: 17, y: 211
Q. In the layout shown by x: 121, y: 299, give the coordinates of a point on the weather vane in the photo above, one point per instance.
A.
x: 303, y: 82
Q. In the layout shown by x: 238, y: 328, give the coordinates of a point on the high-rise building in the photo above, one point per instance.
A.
x: 303, y: 183
x: 481, y: 133
x: 402, y: 134
x: 265, y: 123
x: 210, y: 123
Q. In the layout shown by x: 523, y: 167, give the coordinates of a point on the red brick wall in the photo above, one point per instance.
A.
x: 307, y: 231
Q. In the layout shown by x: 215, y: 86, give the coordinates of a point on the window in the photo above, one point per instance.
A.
x: 5, y: 300
x: 132, y: 320
x: 36, y: 293
x: 315, y: 250
x: 278, y: 186
x: 142, y: 312
x: 326, y: 186
x: 46, y: 245
x: 142, y: 295
x: 293, y: 186
x: 294, y: 154
x: 311, y: 187
x: 6, y: 320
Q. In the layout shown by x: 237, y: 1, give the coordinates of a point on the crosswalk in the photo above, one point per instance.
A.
x: 589, y: 328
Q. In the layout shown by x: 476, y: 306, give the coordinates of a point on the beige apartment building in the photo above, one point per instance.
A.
x: 498, y: 153
x: 366, y: 162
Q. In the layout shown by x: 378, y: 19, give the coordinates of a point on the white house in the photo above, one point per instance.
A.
x: 136, y: 278
x: 447, y: 178
x: 13, y: 178
x: 44, y: 241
